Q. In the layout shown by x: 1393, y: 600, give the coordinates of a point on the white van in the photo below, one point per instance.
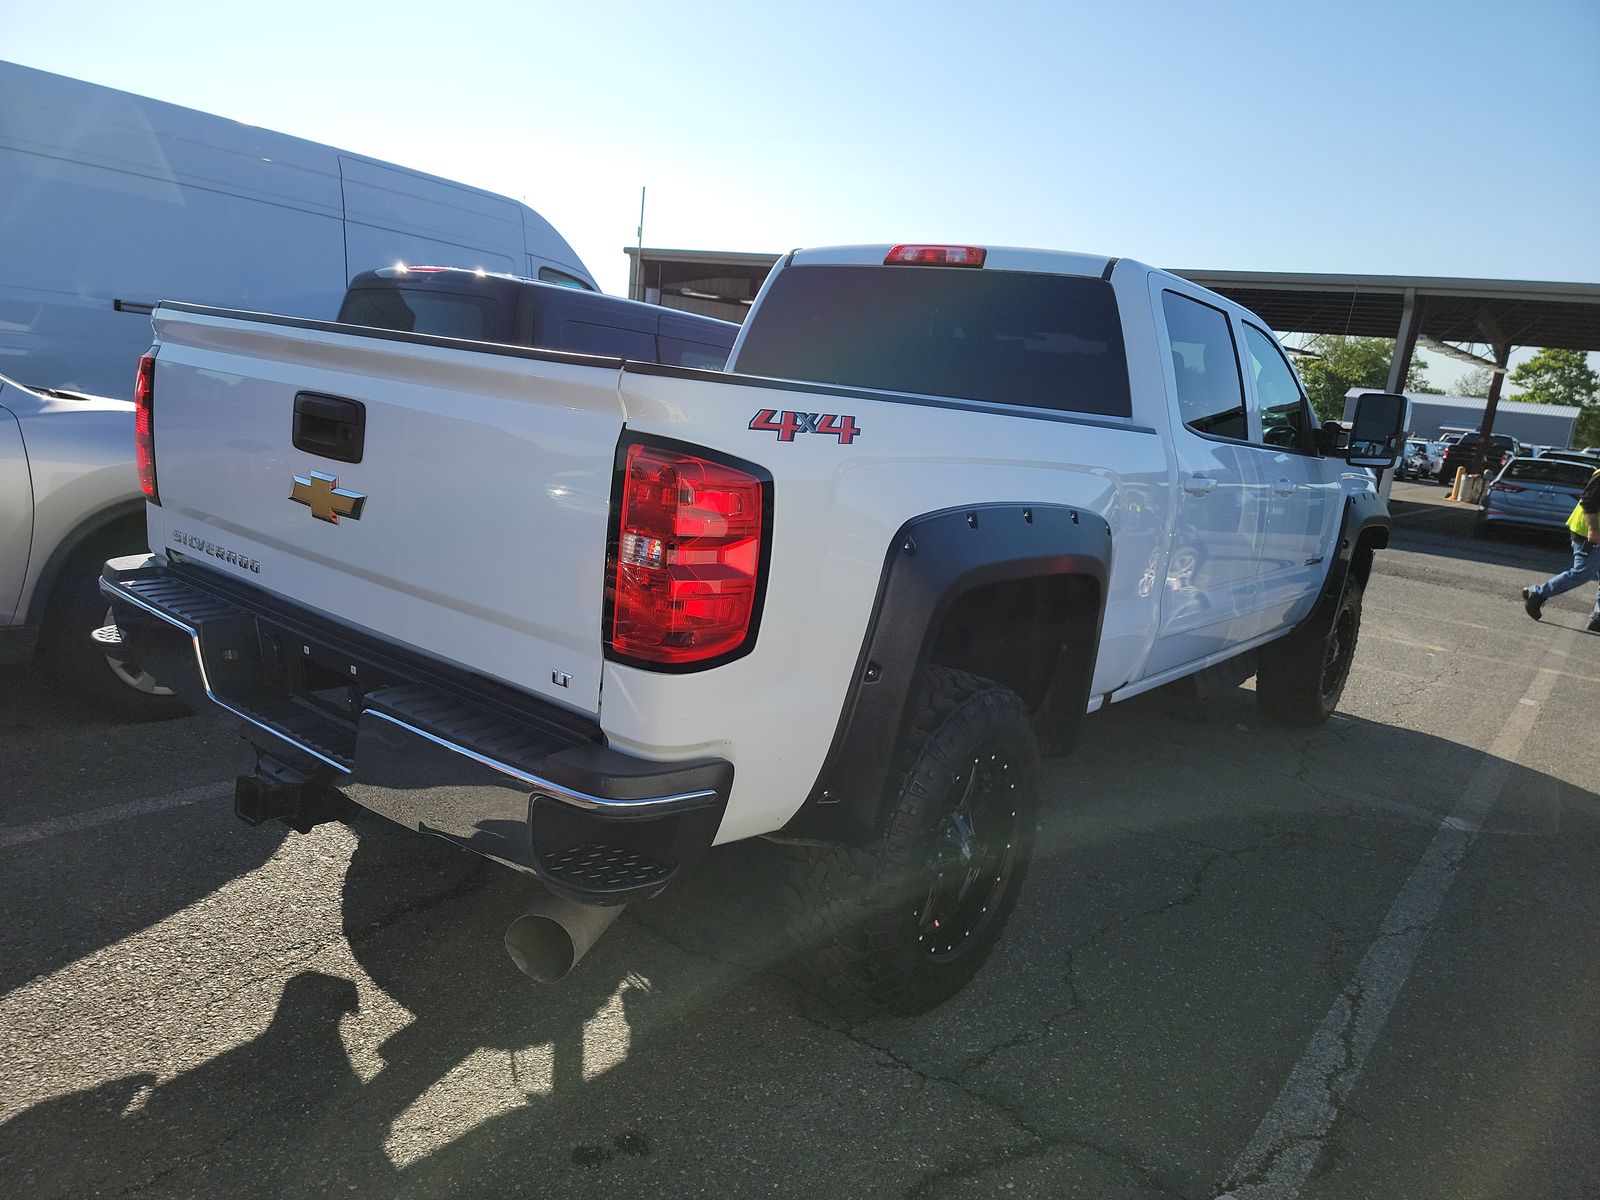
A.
x: 111, y: 202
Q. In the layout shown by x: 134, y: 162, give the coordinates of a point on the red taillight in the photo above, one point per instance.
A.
x: 688, y: 557
x: 936, y: 256
x: 1497, y: 486
x: 144, y: 433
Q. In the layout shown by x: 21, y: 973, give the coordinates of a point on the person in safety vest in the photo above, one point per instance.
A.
x: 1584, y: 524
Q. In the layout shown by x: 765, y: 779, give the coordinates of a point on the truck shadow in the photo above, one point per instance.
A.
x: 662, y: 1045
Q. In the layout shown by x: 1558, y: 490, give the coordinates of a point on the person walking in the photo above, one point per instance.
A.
x: 1584, y: 525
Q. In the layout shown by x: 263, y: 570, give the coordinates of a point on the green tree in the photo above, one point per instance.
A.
x: 1557, y: 377
x: 1563, y: 377
x: 1587, y: 431
x: 1474, y: 383
x: 1347, y: 362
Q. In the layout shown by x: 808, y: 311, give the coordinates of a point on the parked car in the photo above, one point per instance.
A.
x: 487, y: 307
x: 1435, y: 459
x: 1402, y: 465
x: 1501, y: 450
x: 1416, y: 461
x: 69, y: 499
x: 1536, y: 492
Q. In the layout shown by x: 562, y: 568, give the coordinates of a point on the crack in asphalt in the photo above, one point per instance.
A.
x: 1335, y: 1082
x: 1040, y: 1142
x: 1261, y: 1176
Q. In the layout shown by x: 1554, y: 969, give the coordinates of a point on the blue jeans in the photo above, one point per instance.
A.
x: 1585, y: 569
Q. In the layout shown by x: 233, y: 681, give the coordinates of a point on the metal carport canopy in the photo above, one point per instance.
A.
x: 1504, y: 312
x: 1562, y: 316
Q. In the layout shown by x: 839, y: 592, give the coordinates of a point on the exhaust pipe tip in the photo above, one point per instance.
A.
x: 548, y: 940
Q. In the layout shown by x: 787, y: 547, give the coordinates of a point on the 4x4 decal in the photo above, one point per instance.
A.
x: 787, y: 424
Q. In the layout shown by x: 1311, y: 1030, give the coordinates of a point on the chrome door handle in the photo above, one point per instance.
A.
x: 1284, y: 488
x: 1199, y: 485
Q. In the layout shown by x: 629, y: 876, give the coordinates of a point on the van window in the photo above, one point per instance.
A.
x: 562, y: 279
x: 1005, y: 337
x: 1210, y: 393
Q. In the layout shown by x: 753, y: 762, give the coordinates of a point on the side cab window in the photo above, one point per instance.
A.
x: 1205, y: 365
x: 1285, y: 415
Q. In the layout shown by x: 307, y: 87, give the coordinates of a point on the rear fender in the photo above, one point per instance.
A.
x: 934, y: 560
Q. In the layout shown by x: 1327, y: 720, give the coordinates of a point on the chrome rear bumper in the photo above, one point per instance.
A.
x: 422, y: 743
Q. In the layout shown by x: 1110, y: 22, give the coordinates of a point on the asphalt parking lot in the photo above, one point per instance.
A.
x: 1354, y: 961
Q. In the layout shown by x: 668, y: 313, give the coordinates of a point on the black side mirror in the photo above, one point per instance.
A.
x: 1330, y: 439
x: 1378, y: 430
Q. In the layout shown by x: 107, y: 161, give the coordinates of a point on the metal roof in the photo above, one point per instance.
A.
x: 1476, y: 403
x: 1563, y: 316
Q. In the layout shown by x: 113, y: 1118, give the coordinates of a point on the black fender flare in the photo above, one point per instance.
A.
x: 1363, y: 527
x: 934, y: 560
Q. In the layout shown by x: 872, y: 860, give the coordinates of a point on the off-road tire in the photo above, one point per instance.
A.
x: 1301, y: 678
x: 860, y: 915
x: 77, y: 609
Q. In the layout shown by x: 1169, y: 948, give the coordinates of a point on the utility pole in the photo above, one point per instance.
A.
x: 639, y: 258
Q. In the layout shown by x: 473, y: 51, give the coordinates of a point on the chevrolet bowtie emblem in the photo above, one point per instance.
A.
x: 326, y: 499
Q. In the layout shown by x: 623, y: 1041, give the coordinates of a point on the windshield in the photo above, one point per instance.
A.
x: 1008, y: 337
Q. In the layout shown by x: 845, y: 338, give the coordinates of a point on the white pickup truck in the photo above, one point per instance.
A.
x: 590, y: 617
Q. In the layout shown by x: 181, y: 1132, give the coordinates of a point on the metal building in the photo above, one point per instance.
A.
x: 1431, y: 415
x: 712, y: 283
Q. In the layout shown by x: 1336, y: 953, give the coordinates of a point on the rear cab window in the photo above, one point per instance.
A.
x: 1028, y: 339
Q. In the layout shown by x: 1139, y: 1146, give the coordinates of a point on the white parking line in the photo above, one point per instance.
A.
x: 21, y: 835
x: 1290, y: 1139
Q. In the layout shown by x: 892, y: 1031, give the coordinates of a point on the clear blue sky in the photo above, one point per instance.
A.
x: 1397, y: 138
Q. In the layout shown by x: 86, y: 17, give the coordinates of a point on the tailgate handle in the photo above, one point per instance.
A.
x: 329, y: 426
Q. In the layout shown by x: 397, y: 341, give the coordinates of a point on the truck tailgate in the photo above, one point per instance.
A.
x: 474, y: 523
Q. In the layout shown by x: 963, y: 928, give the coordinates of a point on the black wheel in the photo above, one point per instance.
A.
x: 99, y: 670
x: 901, y: 925
x: 1301, y: 678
